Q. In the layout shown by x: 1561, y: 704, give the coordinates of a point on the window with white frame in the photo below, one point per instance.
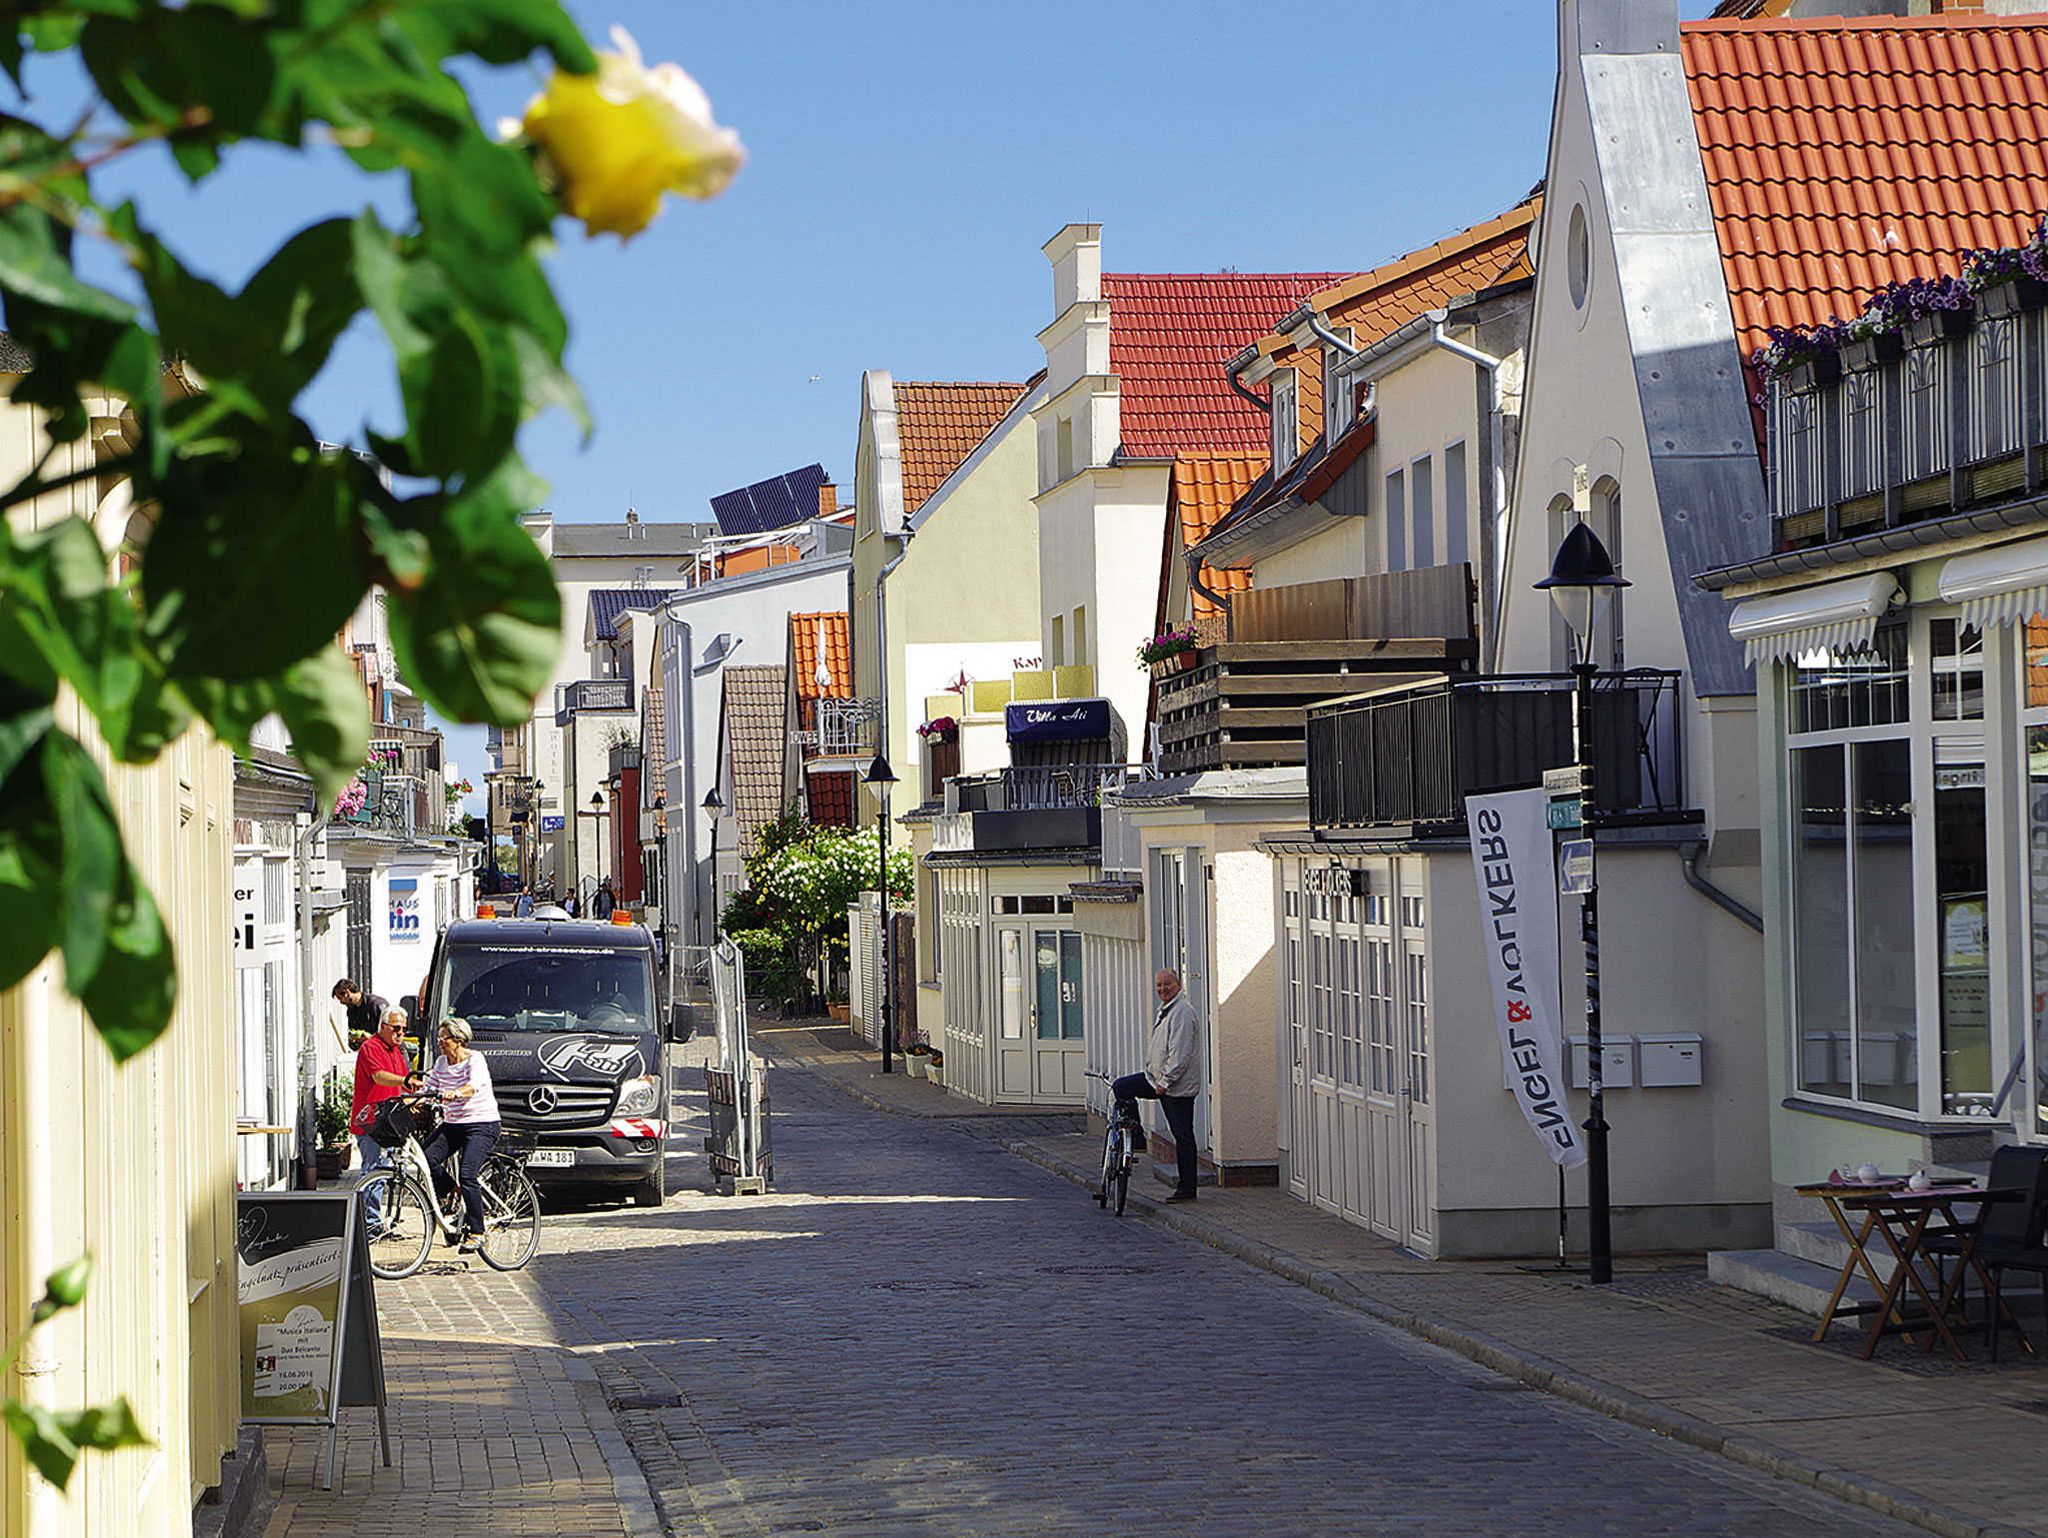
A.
x: 2032, y: 637
x: 1337, y: 395
x: 1394, y: 514
x: 1422, y: 511
x: 1457, y: 538
x: 1889, y: 911
x: 1286, y: 419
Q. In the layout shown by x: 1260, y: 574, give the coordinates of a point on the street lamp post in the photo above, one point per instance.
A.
x: 881, y: 776
x: 596, y: 812
x: 714, y: 803
x: 1582, y: 582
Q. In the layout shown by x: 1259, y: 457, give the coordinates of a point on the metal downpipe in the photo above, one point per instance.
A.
x: 1689, y: 856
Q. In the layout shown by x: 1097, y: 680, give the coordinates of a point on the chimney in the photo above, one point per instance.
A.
x: 1076, y: 257
x: 828, y: 500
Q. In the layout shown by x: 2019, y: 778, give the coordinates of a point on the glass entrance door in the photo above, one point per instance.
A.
x: 1058, y: 1058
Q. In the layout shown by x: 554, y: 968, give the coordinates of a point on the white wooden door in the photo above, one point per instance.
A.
x: 1419, y: 1129
x: 1386, y: 1075
x: 1300, y: 1141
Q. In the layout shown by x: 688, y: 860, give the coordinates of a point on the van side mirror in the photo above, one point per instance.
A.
x: 680, y: 1026
x: 411, y: 1005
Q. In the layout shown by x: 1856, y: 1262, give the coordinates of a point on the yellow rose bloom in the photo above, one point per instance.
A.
x: 622, y: 137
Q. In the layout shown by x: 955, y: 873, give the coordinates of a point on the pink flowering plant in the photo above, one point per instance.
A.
x: 1168, y: 643
x: 940, y: 728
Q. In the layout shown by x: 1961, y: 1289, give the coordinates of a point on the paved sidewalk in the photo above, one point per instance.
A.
x: 1954, y: 1449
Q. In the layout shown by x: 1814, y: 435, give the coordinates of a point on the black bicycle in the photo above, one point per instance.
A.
x: 407, y: 1215
x: 1119, y: 1153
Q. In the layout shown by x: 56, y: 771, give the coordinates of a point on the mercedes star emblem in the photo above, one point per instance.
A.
x: 541, y: 1101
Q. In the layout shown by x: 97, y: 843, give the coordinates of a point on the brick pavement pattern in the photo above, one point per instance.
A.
x: 918, y: 1334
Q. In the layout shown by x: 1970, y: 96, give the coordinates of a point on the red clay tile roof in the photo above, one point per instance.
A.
x: 1842, y: 154
x: 1170, y: 335
x: 1204, y: 488
x: 829, y: 794
x: 938, y: 426
x: 1379, y: 302
x: 810, y: 637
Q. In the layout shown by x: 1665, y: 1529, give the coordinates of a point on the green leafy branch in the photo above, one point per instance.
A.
x: 54, y: 1440
x: 251, y: 542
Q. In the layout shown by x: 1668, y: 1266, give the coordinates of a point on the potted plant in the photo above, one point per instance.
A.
x: 330, y: 1121
x: 940, y: 729
x: 1800, y: 357
x: 1928, y: 310
x: 2005, y: 280
x: 1170, y: 651
x: 915, y: 1050
x: 934, y: 1065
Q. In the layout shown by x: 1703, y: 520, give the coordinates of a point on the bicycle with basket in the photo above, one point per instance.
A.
x: 407, y: 1214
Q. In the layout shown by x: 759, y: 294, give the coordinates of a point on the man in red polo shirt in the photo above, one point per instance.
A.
x: 381, y: 1071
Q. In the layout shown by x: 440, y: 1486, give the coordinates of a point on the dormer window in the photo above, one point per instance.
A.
x: 1340, y: 395
x: 1286, y: 419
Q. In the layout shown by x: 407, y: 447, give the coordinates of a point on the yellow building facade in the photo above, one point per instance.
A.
x: 132, y: 1163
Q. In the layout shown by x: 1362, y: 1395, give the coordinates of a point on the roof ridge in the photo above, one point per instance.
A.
x: 1221, y: 277
x: 1520, y: 216
x: 1944, y: 19
x: 959, y: 384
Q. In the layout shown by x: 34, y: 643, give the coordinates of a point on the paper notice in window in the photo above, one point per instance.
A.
x: 292, y: 1354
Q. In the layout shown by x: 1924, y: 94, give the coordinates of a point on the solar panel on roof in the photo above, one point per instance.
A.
x: 775, y: 503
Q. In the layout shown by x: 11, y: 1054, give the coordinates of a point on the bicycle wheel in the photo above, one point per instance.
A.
x: 1121, y: 1180
x: 511, y: 1216
x: 1109, y: 1163
x: 404, y: 1230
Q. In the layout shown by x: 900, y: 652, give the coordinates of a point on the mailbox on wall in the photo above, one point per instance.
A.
x: 1665, y: 1062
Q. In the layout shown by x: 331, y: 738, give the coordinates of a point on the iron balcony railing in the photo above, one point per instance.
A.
x: 845, y: 729
x: 1947, y: 417
x: 1039, y: 787
x: 398, y: 803
x: 1411, y: 757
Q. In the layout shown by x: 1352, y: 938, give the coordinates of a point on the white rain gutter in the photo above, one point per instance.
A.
x: 1493, y: 549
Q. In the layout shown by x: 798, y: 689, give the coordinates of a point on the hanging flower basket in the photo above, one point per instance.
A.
x: 1168, y: 645
x: 940, y: 729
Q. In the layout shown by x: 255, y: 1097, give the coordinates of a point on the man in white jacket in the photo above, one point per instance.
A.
x: 1173, y: 1074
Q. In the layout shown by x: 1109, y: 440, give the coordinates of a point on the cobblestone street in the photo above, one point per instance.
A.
x: 919, y: 1333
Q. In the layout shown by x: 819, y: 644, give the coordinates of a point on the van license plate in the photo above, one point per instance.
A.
x: 553, y: 1158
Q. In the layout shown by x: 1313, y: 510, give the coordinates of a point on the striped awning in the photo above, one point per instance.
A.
x: 1999, y: 586
x: 1840, y: 615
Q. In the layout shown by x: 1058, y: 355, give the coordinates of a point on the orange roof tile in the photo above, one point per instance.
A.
x: 1379, y: 302
x: 1170, y: 335
x: 938, y: 426
x: 1205, y: 486
x: 1842, y: 154
x: 815, y: 639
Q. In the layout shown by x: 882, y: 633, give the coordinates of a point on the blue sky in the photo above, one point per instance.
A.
x: 906, y: 163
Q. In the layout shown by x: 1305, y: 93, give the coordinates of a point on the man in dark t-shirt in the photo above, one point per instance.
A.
x: 365, y: 1010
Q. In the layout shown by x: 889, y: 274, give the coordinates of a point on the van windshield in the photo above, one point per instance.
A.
x: 499, y: 988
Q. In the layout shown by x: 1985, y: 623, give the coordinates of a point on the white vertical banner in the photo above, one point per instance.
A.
x: 1511, y: 860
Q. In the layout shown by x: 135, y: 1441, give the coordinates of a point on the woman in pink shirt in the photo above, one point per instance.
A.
x: 469, y: 1123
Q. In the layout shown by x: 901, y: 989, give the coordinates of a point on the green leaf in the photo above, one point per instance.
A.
x: 323, y: 706
x: 169, y: 62
x: 35, y: 264
x: 91, y: 858
x: 231, y: 706
x: 507, y: 31
x: 53, y: 1440
x: 479, y: 637
x: 29, y: 856
x: 255, y: 562
x: 131, y: 996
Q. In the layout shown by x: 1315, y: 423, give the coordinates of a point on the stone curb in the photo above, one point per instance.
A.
x: 629, y: 1482
x: 1538, y: 1372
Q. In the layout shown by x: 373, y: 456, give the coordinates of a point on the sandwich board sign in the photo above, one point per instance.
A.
x: 308, y: 1340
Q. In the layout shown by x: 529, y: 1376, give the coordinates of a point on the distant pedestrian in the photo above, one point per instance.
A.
x: 522, y: 907
x: 602, y: 905
x: 365, y: 1010
x: 569, y: 905
x: 1172, y: 1076
x: 381, y: 1072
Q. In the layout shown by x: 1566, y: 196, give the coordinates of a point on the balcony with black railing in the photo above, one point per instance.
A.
x: 1029, y: 807
x: 1406, y: 759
